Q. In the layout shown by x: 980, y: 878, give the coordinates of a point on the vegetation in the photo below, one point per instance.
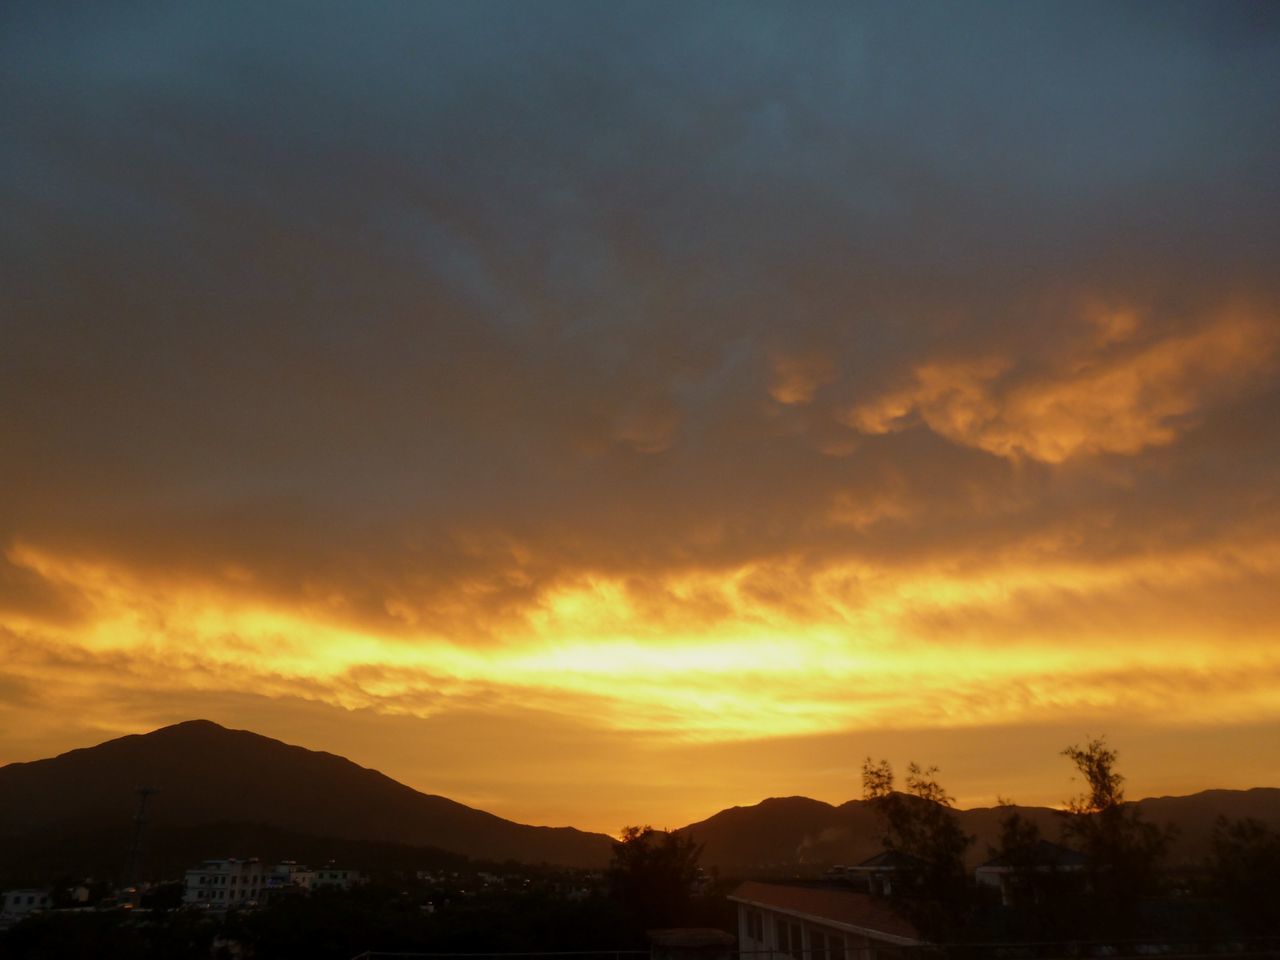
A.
x: 1123, y: 850
x: 921, y: 826
x: 1245, y: 873
x: 407, y: 915
x: 654, y: 880
x: 1040, y: 896
x: 655, y: 875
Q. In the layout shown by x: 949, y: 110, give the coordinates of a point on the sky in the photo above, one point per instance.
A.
x: 607, y: 413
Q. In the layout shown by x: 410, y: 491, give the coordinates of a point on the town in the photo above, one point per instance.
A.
x: 1105, y: 890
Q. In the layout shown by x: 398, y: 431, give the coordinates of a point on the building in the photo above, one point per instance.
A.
x: 1045, y: 869
x: 332, y: 877
x: 290, y: 876
x: 20, y: 903
x: 222, y: 884
x: 888, y: 872
x: 778, y: 921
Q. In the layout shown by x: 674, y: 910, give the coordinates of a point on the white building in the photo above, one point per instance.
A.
x: 332, y: 876
x: 19, y: 903
x: 220, y: 884
x: 780, y: 921
x: 290, y: 875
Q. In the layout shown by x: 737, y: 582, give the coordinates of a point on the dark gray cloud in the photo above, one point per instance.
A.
x: 395, y: 299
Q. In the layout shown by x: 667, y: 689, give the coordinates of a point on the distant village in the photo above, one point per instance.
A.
x: 249, y: 883
x: 865, y: 911
x: 1090, y: 881
x: 845, y: 910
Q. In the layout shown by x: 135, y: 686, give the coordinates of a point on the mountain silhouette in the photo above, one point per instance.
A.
x: 785, y: 833
x: 238, y: 786
x: 232, y: 792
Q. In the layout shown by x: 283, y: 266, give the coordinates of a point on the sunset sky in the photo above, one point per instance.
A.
x: 607, y: 413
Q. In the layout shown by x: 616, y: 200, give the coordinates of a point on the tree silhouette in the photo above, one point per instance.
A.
x: 653, y: 872
x: 921, y: 825
x: 1245, y: 871
x: 1042, y: 885
x: 1123, y: 850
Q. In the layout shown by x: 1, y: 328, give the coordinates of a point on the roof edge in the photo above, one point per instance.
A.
x: 838, y: 924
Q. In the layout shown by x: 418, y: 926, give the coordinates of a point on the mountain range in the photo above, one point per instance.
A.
x: 790, y: 833
x: 225, y: 792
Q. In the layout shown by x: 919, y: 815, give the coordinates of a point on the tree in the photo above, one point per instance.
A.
x: 1245, y: 871
x: 1123, y: 849
x: 1042, y: 889
x: 654, y: 873
x: 1096, y: 763
x: 1019, y: 849
x: 921, y: 825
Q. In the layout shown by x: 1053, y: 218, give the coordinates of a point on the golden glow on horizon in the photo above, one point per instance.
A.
x: 784, y: 647
x: 753, y: 672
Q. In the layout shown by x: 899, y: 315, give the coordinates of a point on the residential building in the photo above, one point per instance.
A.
x: 1043, y: 869
x: 20, y: 903
x: 332, y: 876
x: 221, y: 884
x: 888, y: 872
x: 289, y: 875
x: 818, y: 922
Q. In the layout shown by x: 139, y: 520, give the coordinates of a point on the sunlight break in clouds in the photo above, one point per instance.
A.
x: 755, y: 671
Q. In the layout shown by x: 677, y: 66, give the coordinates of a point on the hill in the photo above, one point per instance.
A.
x: 232, y: 792
x: 76, y: 809
x: 796, y: 833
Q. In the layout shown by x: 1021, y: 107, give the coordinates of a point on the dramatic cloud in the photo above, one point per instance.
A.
x: 1101, y: 399
x: 668, y: 379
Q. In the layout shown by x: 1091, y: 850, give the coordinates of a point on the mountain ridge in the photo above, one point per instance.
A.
x: 784, y: 833
x: 209, y: 774
x: 228, y: 785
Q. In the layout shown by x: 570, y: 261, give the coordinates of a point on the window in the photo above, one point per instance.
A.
x: 835, y: 947
x: 755, y: 925
x: 817, y: 945
x: 789, y: 939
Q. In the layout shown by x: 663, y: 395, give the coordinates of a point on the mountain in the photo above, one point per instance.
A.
x: 796, y: 833
x: 231, y: 792
x: 233, y: 785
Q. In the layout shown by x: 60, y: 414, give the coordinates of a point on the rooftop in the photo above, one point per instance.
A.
x: 1043, y: 854
x: 837, y: 907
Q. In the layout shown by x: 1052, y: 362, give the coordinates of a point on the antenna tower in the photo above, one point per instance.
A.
x: 139, y: 822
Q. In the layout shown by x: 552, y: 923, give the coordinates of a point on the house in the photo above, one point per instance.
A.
x: 222, y: 884
x: 888, y: 870
x: 290, y: 876
x: 333, y: 876
x: 20, y: 903
x: 1040, y: 864
x: 816, y: 922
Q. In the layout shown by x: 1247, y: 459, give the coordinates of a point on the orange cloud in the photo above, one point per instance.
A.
x: 726, y: 660
x: 1107, y: 396
x: 796, y: 378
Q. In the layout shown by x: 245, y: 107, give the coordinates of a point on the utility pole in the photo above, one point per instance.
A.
x: 139, y: 821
